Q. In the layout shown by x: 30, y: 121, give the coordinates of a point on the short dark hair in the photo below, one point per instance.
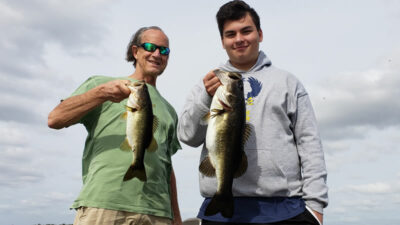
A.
x: 136, y: 40
x: 235, y: 10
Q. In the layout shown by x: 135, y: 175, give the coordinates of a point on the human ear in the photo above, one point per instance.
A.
x: 260, y: 34
x: 134, y: 51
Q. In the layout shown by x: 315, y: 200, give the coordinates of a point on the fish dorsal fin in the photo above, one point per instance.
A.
x: 247, y: 133
x: 242, y: 166
x: 207, y: 168
x: 155, y: 123
x: 125, y: 146
x: 153, y: 145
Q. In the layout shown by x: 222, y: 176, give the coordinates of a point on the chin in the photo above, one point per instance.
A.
x: 155, y: 73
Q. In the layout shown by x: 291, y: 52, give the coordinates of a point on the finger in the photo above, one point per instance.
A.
x: 214, y: 88
x: 212, y: 82
x: 123, y: 87
x: 210, y: 75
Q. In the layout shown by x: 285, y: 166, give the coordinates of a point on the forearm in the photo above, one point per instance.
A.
x: 315, y: 190
x: 71, y: 110
x: 191, y: 127
x: 174, y: 200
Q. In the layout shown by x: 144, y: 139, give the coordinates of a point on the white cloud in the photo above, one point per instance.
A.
x: 374, y: 188
x: 11, y: 135
x: 352, y: 102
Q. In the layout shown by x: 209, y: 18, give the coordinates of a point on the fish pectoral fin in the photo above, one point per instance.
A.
x: 247, y: 133
x: 155, y: 123
x: 132, y: 108
x: 125, y: 146
x: 242, y: 166
x: 153, y: 145
x: 124, y: 115
x: 216, y: 112
x: 205, y: 119
x: 207, y: 168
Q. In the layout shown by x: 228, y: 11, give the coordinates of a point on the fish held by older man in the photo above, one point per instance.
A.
x: 140, y: 127
x: 226, y: 135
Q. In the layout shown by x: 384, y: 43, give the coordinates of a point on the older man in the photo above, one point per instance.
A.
x: 98, y: 103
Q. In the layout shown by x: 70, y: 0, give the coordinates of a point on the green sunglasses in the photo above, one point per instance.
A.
x: 150, y: 47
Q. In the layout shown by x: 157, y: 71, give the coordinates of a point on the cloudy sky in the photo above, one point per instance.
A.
x: 346, y: 53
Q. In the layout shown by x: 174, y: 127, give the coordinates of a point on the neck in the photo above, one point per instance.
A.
x: 147, y: 78
x: 243, y: 67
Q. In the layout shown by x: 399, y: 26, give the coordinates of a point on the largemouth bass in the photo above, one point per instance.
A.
x: 226, y: 134
x: 140, y: 127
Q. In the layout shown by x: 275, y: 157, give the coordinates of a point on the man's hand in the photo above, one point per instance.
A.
x: 319, y: 216
x: 116, y: 90
x: 211, y: 83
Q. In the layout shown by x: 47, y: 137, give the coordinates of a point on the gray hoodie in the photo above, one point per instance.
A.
x: 284, y: 151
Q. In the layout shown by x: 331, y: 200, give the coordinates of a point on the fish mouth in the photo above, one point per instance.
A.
x: 234, y: 76
x: 225, y: 106
x: 138, y: 83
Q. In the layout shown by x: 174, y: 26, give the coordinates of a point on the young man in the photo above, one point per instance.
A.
x: 98, y: 104
x: 285, y: 181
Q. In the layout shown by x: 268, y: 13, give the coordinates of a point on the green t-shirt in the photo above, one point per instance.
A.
x: 104, y: 164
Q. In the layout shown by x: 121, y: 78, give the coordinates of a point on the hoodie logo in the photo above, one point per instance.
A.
x: 255, y: 89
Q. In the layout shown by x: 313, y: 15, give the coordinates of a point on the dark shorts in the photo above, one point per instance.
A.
x: 305, y: 218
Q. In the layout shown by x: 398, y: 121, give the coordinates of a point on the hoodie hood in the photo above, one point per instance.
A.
x: 262, y: 61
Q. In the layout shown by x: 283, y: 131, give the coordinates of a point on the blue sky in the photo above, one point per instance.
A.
x: 346, y: 53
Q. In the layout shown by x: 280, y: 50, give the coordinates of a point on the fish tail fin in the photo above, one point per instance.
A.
x: 135, y: 171
x: 220, y: 204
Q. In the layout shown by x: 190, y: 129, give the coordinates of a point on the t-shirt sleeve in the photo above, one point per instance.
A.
x: 90, y: 83
x: 174, y: 145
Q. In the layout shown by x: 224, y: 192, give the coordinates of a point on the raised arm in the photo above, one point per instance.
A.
x: 71, y: 110
x: 191, y: 129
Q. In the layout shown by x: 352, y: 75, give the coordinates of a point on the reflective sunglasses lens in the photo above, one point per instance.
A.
x: 149, y: 47
x: 164, y: 50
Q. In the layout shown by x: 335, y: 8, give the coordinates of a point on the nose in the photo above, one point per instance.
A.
x: 156, y: 53
x: 239, y: 38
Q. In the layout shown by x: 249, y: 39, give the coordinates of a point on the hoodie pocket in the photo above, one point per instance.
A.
x: 264, y: 176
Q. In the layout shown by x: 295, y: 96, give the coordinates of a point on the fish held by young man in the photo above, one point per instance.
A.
x: 226, y: 135
x: 140, y: 127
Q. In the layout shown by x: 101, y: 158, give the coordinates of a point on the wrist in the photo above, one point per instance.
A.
x: 100, y: 93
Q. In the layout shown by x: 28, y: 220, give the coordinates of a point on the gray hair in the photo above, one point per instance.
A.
x: 136, y: 40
